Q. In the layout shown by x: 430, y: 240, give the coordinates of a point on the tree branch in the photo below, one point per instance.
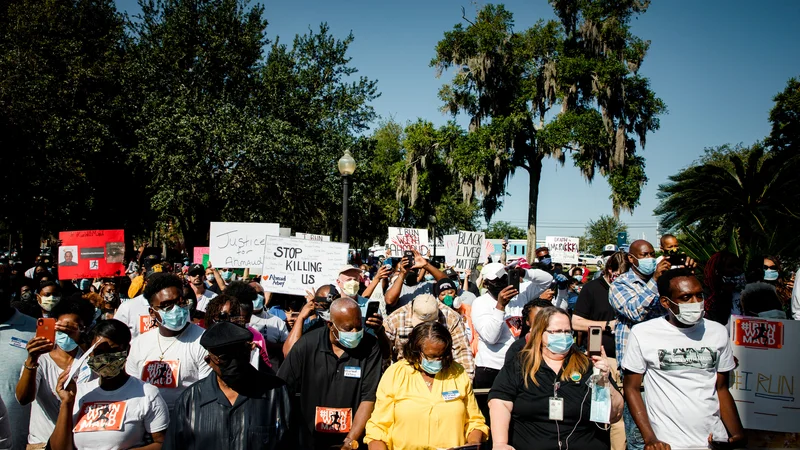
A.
x: 464, y: 16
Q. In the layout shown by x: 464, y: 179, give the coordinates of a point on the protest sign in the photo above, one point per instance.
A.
x: 312, y: 237
x: 402, y: 239
x: 763, y: 384
x: 450, y: 244
x: 468, y: 250
x: 292, y: 266
x: 200, y: 255
x: 91, y: 254
x: 239, y: 245
x: 563, y: 250
x: 285, y: 232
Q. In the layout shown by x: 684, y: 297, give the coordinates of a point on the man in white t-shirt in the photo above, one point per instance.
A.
x: 197, y: 280
x: 685, y: 362
x: 169, y: 357
x: 497, y: 317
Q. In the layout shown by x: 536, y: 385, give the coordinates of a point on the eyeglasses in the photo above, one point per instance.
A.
x: 182, y: 303
x: 560, y: 332
x: 766, y: 267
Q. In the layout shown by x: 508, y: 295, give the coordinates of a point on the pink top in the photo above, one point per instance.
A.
x: 258, y: 338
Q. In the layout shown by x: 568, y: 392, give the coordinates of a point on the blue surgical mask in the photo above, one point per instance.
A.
x: 350, y: 339
x: 429, y: 277
x: 560, y: 343
x: 258, y: 303
x: 647, y: 265
x: 431, y: 366
x: 175, y: 319
x: 65, y: 342
x: 770, y: 275
x: 227, y: 275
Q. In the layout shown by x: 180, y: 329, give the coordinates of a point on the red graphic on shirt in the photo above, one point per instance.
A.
x: 758, y: 333
x: 146, y: 323
x: 333, y: 420
x: 515, y: 325
x: 161, y: 374
x: 101, y: 416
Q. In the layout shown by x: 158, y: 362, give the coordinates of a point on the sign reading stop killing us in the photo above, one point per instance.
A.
x: 239, y: 245
x: 293, y: 266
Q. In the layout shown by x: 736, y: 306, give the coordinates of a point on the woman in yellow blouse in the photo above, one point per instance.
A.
x: 426, y: 399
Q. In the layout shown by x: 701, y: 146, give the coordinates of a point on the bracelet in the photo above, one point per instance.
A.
x: 33, y: 367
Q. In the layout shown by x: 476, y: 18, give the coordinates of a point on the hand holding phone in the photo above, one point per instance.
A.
x: 595, y: 341
x: 513, y: 278
x: 46, y: 328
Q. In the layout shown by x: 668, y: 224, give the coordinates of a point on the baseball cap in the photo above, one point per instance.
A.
x: 611, y: 248
x: 348, y: 268
x: 493, y: 271
x: 451, y: 273
x: 154, y: 269
x: 522, y: 263
x: 443, y: 285
x: 196, y: 269
x: 425, y: 308
x: 224, y: 334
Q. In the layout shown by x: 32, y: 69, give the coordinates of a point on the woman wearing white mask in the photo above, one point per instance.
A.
x: 116, y: 410
x: 46, y: 360
x: 48, y: 295
x: 426, y: 400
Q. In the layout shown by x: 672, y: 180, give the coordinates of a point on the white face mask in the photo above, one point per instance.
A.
x: 690, y: 313
x: 350, y: 287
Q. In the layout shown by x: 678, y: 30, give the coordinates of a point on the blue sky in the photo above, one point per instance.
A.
x: 717, y: 64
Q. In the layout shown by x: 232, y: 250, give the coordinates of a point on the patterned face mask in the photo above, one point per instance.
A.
x: 108, y: 365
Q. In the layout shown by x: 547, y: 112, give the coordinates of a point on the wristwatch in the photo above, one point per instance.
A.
x: 608, y: 328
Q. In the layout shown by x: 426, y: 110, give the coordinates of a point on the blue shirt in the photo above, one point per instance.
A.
x: 14, y: 336
x: 635, y: 301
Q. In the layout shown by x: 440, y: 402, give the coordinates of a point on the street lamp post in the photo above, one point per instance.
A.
x: 432, y: 220
x: 347, y: 166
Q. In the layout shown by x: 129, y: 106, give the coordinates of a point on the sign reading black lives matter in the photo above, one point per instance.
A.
x: 468, y: 250
x: 293, y: 266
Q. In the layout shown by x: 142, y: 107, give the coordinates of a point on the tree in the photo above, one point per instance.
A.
x: 508, y: 83
x: 785, y: 118
x: 601, y: 232
x: 500, y: 230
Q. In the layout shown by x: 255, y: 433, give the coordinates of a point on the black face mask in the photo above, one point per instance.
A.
x: 496, y: 286
x: 411, y: 278
x: 235, y: 370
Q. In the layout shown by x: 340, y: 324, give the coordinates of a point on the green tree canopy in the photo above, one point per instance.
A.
x: 601, y: 232
x: 785, y: 118
x: 499, y: 230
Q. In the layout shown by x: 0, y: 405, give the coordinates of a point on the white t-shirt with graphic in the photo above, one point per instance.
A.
x: 118, y: 419
x: 170, y: 363
x: 680, y: 367
x: 135, y: 313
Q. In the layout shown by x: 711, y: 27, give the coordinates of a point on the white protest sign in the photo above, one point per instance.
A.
x: 285, y: 232
x: 487, y: 251
x: 763, y: 385
x: 469, y: 249
x: 292, y: 266
x: 312, y: 237
x: 563, y: 250
x: 239, y: 245
x: 450, y: 244
x: 402, y: 239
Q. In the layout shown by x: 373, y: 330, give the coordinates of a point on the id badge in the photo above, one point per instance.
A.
x: 556, y: 408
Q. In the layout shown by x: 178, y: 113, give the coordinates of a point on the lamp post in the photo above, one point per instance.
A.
x: 347, y: 166
x: 432, y: 220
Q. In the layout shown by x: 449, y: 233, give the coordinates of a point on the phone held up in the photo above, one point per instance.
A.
x: 513, y: 278
x: 595, y: 341
x: 409, y: 256
x: 46, y: 328
x: 372, y: 308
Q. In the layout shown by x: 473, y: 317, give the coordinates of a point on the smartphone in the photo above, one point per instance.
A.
x: 46, y: 328
x: 409, y: 255
x: 513, y: 278
x: 677, y: 259
x: 388, y: 263
x: 595, y: 341
x: 372, y: 309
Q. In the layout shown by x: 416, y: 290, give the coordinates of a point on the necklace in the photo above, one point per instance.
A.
x: 161, y: 358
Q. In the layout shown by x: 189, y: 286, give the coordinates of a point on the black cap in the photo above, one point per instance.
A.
x: 197, y: 269
x: 223, y: 334
x: 151, y: 270
x: 451, y: 273
x: 443, y: 285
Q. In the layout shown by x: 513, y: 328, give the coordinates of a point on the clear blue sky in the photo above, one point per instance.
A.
x: 717, y: 64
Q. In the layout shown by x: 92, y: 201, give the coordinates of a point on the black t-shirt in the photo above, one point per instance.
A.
x: 530, y: 422
x: 515, y: 348
x: 330, y: 382
x: 593, y: 304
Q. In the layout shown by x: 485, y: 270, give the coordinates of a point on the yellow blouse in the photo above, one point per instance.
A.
x: 409, y: 416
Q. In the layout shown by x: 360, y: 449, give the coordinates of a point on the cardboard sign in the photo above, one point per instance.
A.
x: 91, y: 254
x: 765, y: 383
x: 450, y: 244
x: 563, y: 250
x: 312, y: 237
x: 402, y: 239
x: 293, y: 266
x: 101, y: 416
x: 239, y: 245
x: 469, y: 249
x: 200, y: 255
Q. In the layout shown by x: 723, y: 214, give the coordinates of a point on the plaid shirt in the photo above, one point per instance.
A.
x: 635, y: 301
x: 398, y: 327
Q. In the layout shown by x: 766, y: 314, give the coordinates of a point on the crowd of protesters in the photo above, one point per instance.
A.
x: 389, y: 355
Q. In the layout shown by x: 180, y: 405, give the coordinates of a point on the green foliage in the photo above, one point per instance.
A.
x: 499, y: 230
x: 785, y: 118
x: 508, y: 83
x: 601, y: 232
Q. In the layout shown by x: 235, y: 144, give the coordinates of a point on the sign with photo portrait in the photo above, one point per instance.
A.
x: 91, y: 254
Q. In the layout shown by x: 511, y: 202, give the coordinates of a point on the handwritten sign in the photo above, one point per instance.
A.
x: 402, y: 239
x: 765, y: 383
x: 563, y: 250
x: 200, y: 255
x: 292, y: 266
x: 450, y: 244
x: 469, y: 249
x: 239, y: 245
x: 91, y: 254
x: 312, y: 237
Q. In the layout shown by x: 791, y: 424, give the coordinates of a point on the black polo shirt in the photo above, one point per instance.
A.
x: 530, y: 420
x: 593, y: 304
x: 328, y: 382
x: 203, y: 418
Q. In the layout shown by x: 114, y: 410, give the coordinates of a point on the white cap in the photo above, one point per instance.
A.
x: 425, y: 308
x: 610, y: 248
x: 348, y: 268
x: 493, y: 271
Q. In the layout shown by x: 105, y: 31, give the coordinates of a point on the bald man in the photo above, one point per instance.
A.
x: 337, y: 369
